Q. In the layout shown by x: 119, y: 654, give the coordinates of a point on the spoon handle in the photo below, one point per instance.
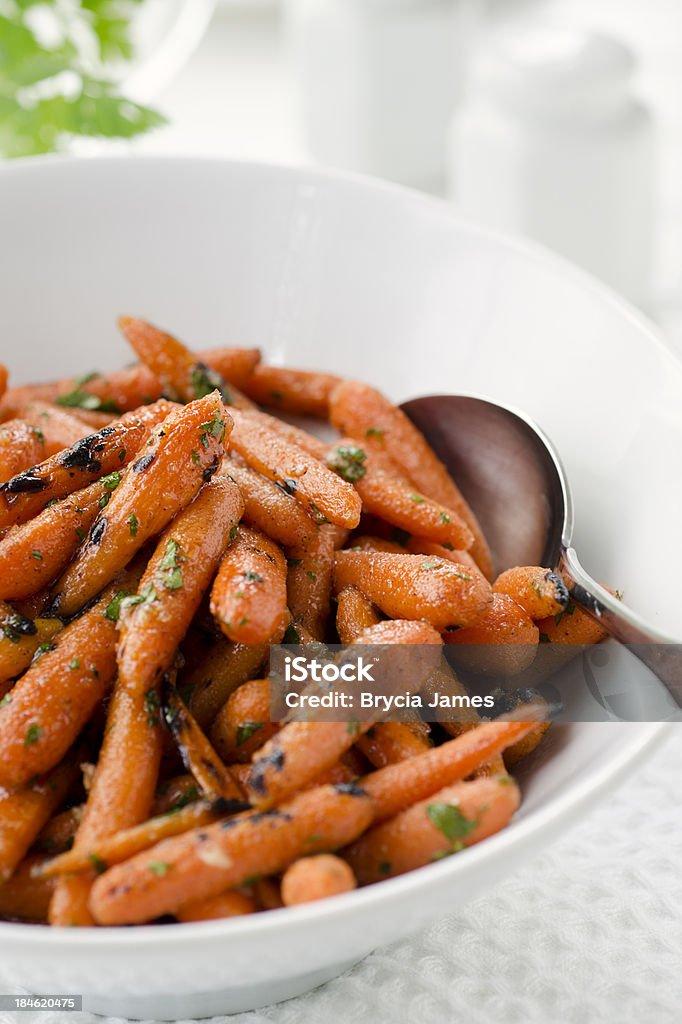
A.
x: 658, y: 652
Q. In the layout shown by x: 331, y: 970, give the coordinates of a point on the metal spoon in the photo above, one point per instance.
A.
x: 511, y: 475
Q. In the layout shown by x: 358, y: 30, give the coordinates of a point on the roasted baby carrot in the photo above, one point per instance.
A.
x: 167, y: 474
x: 33, y: 554
x: 24, y: 811
x: 206, y: 862
x: 153, y: 623
x: 503, y: 641
x: 224, y: 667
x: 391, y: 742
x: 324, y: 494
x: 316, y: 878
x: 21, y: 446
x: 20, y: 638
x: 394, y: 500
x: 540, y: 592
x: 309, y: 581
x: 52, y: 702
x: 213, y: 777
x: 414, y: 587
x: 57, y: 835
x: 120, y: 795
x: 59, y: 428
x: 243, y: 724
x: 228, y: 904
x: 23, y: 897
x: 296, y: 391
x: 249, y: 595
x: 121, y: 846
x: 572, y: 626
x: 3, y: 379
x: 362, y: 412
x: 398, y: 786
x: 421, y: 546
x: 182, y: 374
x: 453, y: 818
x: 27, y: 494
x: 354, y: 613
x: 268, y: 508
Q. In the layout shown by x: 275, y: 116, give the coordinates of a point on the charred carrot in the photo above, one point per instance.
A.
x: 540, y: 592
x: 316, y: 878
x: 167, y: 474
x: 33, y: 554
x: 269, y: 509
x: 296, y: 391
x: 414, y: 587
x: 249, y: 596
x: 324, y: 494
x: 224, y: 667
x: 206, y: 862
x: 20, y: 639
x: 57, y: 835
x: 445, y: 823
x: 97, y: 455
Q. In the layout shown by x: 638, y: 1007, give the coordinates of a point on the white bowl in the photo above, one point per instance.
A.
x: 376, y: 282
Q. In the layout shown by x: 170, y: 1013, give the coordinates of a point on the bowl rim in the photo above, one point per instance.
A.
x: 633, y: 748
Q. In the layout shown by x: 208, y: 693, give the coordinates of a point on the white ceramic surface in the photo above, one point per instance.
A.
x: 373, y: 281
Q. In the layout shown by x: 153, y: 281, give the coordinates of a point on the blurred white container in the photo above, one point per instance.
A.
x: 377, y: 82
x: 552, y: 143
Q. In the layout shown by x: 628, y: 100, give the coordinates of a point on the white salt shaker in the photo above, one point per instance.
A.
x: 553, y: 144
x: 377, y: 81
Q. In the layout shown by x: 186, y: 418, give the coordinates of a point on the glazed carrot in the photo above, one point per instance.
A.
x: 249, y: 595
x: 24, y: 897
x: 52, y: 702
x: 333, y: 776
x: 174, y: 794
x: 166, y: 476
x: 24, y: 811
x: 21, y: 446
x: 182, y: 373
x: 33, y: 554
x: 95, y: 420
x: 206, y: 862
x: 572, y: 626
x: 391, y: 742
x: 394, y: 500
x: 228, y: 904
x: 3, y: 379
x: 362, y: 412
x: 243, y: 724
x: 401, y: 631
x: 313, y: 484
x: 421, y: 546
x: 59, y: 428
x: 199, y: 757
x: 291, y: 434
x: 20, y: 638
x: 268, y: 508
x: 120, y: 795
x: 504, y: 640
x: 57, y: 835
x: 316, y: 878
x: 27, y: 494
x: 413, y: 587
x: 176, y: 578
x: 354, y: 613
x: 540, y: 592
x: 398, y: 786
x: 309, y: 581
x: 525, y: 746
x: 121, y: 846
x: 296, y: 391
x: 457, y: 816
x: 298, y: 753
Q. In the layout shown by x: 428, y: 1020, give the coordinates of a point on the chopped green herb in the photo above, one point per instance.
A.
x: 33, y: 734
x: 51, y: 502
x: 318, y: 516
x: 244, y: 621
x: 43, y: 649
x: 375, y: 432
x: 619, y: 595
x: 430, y: 565
x: 122, y: 455
x: 97, y: 863
x: 159, y: 867
x: 133, y: 524
x: 445, y: 518
x: 570, y: 610
x: 348, y: 461
x: 111, y: 482
x: 80, y: 533
x: 385, y: 867
x: 152, y: 705
x: 213, y: 428
x: 5, y: 700
x: 190, y: 795
x: 79, y: 399
x: 204, y: 381
x: 311, y: 575
x: 104, y: 500
x: 170, y: 566
x: 195, y: 457
x: 449, y: 820
x: 74, y: 664
x: 464, y: 576
x: 37, y: 555
x: 233, y: 533
x: 123, y: 600
x: 252, y: 577
x: 544, y: 639
x: 418, y: 499
x: 353, y: 728
x: 37, y: 432
x: 246, y: 730
x: 16, y: 626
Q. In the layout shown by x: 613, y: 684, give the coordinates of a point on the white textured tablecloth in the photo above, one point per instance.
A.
x: 589, y: 932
